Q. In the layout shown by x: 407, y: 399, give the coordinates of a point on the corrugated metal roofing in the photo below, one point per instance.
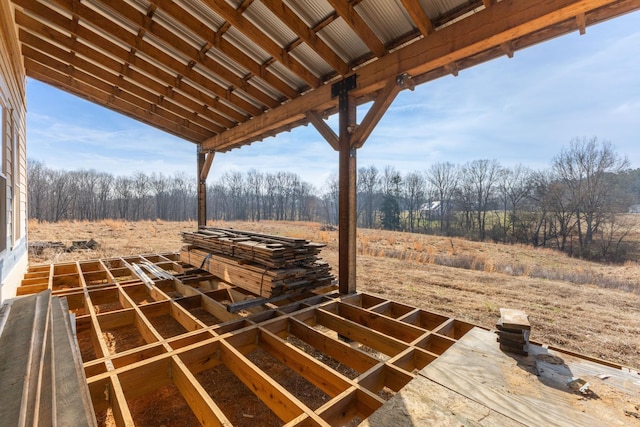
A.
x: 254, y: 56
x: 202, y: 13
x: 270, y: 24
x: 312, y: 12
x: 310, y: 59
x: 388, y: 19
x: 344, y: 41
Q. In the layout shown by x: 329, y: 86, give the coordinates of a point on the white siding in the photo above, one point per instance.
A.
x: 13, y: 203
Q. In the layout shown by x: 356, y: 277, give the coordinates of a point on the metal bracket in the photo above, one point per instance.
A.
x: 405, y: 81
x: 343, y: 86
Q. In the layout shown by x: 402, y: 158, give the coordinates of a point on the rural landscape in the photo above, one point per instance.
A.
x: 586, y: 307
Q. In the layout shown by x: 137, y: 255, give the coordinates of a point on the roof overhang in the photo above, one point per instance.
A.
x: 224, y: 74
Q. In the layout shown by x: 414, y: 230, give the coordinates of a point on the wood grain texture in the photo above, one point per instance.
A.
x: 516, y: 387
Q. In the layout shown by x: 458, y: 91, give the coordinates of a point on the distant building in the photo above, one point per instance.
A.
x: 634, y: 208
x: 431, y: 209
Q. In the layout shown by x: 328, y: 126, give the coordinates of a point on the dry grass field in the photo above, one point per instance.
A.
x: 585, y: 307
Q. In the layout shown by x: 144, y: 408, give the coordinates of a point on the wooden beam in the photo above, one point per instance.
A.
x: 272, y: 394
x: 338, y: 350
x: 386, y: 344
x: 504, y: 21
x: 161, y: 114
x: 77, y: 63
x: 308, y: 35
x: 347, y: 182
x: 329, y: 135
x: 236, y: 18
x: 383, y: 100
x: 30, y: 27
x: 143, y: 22
x: 304, y: 365
x: 90, y: 93
x: 418, y: 16
x: 205, y: 160
x: 217, y: 40
x: 346, y: 11
x: 581, y: 20
x: 96, y: 20
x: 196, y: 396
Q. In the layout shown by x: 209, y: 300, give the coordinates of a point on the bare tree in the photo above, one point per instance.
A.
x: 514, y: 186
x: 588, y: 168
x: 368, y: 189
x: 443, y: 178
x: 480, y: 176
x: 414, y: 195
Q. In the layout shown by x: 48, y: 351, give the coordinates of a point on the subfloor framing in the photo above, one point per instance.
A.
x: 323, y: 360
x: 168, y: 352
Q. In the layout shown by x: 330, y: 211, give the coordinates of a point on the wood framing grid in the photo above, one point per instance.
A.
x: 182, y: 330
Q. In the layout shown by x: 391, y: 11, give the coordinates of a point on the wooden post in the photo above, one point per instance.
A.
x: 347, y: 186
x: 204, y: 165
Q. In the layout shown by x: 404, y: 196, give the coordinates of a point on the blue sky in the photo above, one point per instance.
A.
x: 519, y: 110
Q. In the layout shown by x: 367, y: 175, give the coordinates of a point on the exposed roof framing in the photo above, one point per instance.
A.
x: 226, y: 73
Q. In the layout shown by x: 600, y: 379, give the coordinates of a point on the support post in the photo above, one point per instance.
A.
x: 205, y: 159
x: 347, y: 186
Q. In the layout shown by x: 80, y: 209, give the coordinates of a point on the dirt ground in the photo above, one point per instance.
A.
x: 585, y: 307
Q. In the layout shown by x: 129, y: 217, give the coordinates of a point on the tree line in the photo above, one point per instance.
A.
x: 574, y: 205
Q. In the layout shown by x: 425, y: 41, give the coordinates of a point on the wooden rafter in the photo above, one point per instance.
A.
x: 483, y: 31
x: 236, y: 19
x: 109, y: 100
x: 216, y: 39
x: 180, y: 70
x: 178, y: 62
x: 347, y: 12
x: 418, y: 16
x: 151, y: 27
x: 54, y: 54
x: 308, y: 35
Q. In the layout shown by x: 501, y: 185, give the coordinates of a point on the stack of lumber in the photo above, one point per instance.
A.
x: 42, y: 380
x: 513, y: 331
x: 264, y: 249
x: 263, y: 264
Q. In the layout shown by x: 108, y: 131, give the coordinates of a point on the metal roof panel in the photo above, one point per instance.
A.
x: 311, y: 11
x: 311, y: 60
x: 339, y: 36
x: 262, y: 17
x: 388, y: 19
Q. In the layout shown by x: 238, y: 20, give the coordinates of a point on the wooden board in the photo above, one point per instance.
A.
x: 525, y: 389
x: 425, y: 403
x: 512, y: 319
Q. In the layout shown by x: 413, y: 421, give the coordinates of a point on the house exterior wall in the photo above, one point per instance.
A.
x: 13, y: 159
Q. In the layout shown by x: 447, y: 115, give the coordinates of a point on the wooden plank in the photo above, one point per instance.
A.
x: 22, y: 351
x: 352, y: 330
x: 422, y: 402
x: 491, y: 376
x: 196, y: 396
x: 118, y: 401
x: 402, y: 331
x: 72, y: 400
x: 272, y: 394
x: 335, y: 349
x: 513, y: 319
x: 306, y: 366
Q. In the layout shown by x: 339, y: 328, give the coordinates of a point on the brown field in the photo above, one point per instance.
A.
x: 582, y: 306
